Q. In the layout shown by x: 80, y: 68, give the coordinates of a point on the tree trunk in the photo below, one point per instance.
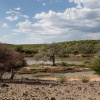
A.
x: 53, y: 60
x: 12, y: 74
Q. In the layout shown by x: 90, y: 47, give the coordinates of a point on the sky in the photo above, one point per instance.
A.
x: 47, y: 21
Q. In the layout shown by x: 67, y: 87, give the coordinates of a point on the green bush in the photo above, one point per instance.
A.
x: 85, y: 79
x: 62, y: 79
x: 95, y: 64
x: 64, y: 64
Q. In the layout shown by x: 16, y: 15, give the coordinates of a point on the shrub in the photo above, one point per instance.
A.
x: 95, y: 64
x: 85, y: 79
x: 64, y: 64
x: 62, y: 79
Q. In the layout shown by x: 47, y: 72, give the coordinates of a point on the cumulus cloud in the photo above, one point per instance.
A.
x: 12, y: 18
x: 25, y: 16
x: 71, y: 24
x: 15, y: 15
x: 92, y: 4
x: 5, y: 25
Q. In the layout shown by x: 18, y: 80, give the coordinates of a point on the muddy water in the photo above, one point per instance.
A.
x: 37, y: 75
x: 69, y: 60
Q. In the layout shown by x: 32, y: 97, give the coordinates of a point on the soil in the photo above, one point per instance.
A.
x: 73, y: 89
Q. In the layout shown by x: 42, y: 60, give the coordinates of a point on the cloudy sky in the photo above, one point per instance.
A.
x: 40, y: 21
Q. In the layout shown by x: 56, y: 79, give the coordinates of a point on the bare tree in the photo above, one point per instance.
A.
x: 4, y: 56
x: 49, y: 52
x: 15, y: 62
x: 10, y: 60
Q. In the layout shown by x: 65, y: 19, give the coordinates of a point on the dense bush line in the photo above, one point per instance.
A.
x: 73, y: 47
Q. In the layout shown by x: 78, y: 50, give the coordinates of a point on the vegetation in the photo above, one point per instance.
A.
x: 83, y: 47
x: 4, y: 56
x: 85, y: 79
x: 49, y: 52
x: 27, y: 49
x: 95, y: 64
x: 10, y: 60
x: 62, y: 79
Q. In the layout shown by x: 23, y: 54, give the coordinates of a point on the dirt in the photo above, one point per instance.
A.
x: 50, y: 89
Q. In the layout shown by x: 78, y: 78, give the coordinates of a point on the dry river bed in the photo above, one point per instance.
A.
x: 50, y: 90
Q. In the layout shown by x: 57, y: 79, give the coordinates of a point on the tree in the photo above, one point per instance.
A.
x: 4, y: 56
x: 49, y: 52
x: 19, y: 49
x: 15, y: 62
x: 97, y: 47
x: 10, y: 60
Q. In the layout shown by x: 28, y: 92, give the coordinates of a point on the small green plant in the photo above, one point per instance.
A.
x: 64, y: 64
x: 85, y: 79
x: 62, y: 79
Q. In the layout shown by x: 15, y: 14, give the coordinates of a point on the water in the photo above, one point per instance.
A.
x: 76, y: 73
x: 69, y: 60
x: 37, y: 75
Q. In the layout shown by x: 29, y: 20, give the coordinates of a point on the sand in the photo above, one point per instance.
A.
x: 51, y: 90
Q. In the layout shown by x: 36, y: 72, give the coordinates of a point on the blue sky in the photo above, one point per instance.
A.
x: 46, y: 21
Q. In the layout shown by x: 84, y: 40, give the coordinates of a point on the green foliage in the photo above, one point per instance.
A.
x: 85, y: 79
x: 48, y: 52
x: 64, y: 64
x: 73, y: 47
x: 95, y: 64
x: 19, y: 49
x: 26, y: 48
x: 62, y: 79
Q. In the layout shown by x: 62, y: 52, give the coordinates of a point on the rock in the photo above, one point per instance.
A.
x: 4, y: 85
x: 25, y: 94
x: 53, y: 98
x: 50, y: 86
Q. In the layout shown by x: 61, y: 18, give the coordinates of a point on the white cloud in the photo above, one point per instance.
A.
x: 72, y: 24
x: 15, y: 15
x: 17, y: 8
x: 24, y: 27
x: 12, y: 18
x: 5, y: 25
x: 92, y: 4
x: 5, y: 38
x: 13, y: 12
x: 25, y: 16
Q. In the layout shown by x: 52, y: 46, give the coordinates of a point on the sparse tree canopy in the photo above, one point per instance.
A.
x: 4, y: 56
x: 49, y: 52
x: 15, y: 62
x: 10, y: 60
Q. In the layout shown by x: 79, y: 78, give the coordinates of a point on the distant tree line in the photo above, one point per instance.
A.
x: 73, y: 47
